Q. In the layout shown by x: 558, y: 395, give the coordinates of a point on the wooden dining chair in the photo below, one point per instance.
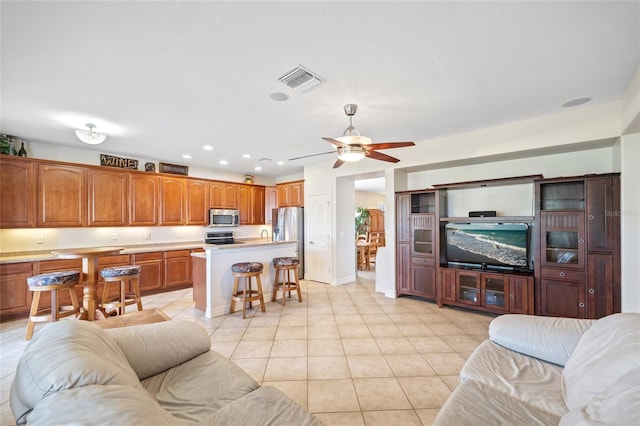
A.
x: 374, y: 243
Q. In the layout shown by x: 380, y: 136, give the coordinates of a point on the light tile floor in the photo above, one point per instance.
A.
x: 346, y: 353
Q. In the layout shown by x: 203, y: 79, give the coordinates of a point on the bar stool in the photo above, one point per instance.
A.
x: 52, y: 282
x: 123, y: 274
x: 246, y: 270
x: 284, y: 266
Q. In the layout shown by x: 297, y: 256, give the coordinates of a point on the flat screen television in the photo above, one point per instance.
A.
x: 484, y: 245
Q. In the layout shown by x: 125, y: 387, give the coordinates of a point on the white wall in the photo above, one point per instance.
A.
x: 370, y: 200
x: 630, y: 221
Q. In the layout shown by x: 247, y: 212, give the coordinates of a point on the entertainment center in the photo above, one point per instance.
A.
x: 562, y: 261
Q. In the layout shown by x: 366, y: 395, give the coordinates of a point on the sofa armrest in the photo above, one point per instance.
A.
x: 153, y: 348
x: 547, y: 338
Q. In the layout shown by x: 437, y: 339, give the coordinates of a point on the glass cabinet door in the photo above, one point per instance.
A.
x: 423, y: 231
x: 423, y: 241
x: 562, y: 239
x: 468, y: 287
x: 494, y: 289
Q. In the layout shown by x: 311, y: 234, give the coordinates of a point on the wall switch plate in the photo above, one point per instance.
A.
x: 40, y: 239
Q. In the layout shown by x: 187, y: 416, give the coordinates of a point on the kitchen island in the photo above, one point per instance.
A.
x: 212, y: 277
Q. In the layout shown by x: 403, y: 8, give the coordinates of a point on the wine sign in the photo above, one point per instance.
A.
x: 113, y: 161
x: 173, y: 168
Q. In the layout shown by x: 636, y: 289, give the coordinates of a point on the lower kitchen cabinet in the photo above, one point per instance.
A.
x: 150, y: 270
x: 177, y: 268
x: 16, y: 297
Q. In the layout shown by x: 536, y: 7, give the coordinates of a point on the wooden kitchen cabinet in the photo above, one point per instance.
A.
x: 172, y: 201
x: 18, y: 197
x: 62, y: 196
x: 291, y: 194
x: 151, y: 273
x: 108, y: 197
x: 16, y: 297
x: 143, y: 199
x: 376, y: 224
x: 251, y: 204
x: 177, y: 268
x: 223, y: 195
x: 270, y: 203
x: 197, y: 202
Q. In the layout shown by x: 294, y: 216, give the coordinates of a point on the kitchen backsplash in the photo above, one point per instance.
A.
x: 36, y: 239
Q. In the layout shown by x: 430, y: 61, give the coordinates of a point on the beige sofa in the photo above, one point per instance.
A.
x: 550, y: 371
x: 74, y: 372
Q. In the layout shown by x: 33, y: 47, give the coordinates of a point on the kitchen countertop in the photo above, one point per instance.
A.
x: 35, y: 256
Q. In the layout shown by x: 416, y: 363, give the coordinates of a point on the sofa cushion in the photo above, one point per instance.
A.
x: 153, y: 348
x: 521, y: 377
x: 197, y: 388
x: 274, y: 408
x: 605, y: 354
x: 100, y: 405
x: 64, y: 355
x: 475, y: 403
x: 547, y: 338
x: 618, y: 405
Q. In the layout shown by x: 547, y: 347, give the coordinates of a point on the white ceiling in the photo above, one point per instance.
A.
x: 163, y: 79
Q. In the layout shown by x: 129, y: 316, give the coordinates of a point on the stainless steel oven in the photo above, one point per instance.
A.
x: 224, y: 217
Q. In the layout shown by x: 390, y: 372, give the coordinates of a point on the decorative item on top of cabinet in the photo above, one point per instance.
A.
x: 291, y: 194
x: 62, y: 196
x: 18, y: 196
x: 578, y: 262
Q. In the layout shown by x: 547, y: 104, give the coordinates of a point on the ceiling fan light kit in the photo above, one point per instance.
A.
x: 90, y: 136
x: 351, y: 153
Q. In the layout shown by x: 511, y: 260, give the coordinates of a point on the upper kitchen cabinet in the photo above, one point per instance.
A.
x: 108, y: 197
x: 62, y: 196
x: 270, y: 202
x: 172, y: 198
x: 17, y: 205
x: 251, y: 204
x: 291, y: 194
x: 197, y: 202
x: 223, y: 195
x: 143, y: 195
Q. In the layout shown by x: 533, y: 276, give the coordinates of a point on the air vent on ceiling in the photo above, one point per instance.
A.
x: 300, y: 78
x: 264, y: 159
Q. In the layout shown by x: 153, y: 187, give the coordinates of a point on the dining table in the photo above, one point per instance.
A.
x: 90, y: 258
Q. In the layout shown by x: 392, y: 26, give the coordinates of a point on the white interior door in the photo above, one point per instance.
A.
x: 319, y: 248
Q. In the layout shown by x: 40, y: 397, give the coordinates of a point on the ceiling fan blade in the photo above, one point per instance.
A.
x: 312, y: 155
x: 380, y: 156
x: 335, y: 143
x: 338, y: 163
x: 388, y: 145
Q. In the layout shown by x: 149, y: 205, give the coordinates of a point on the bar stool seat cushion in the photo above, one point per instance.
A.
x: 120, y: 271
x: 53, y: 278
x: 246, y: 267
x: 286, y: 261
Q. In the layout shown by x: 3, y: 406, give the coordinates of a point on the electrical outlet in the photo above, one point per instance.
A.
x: 114, y: 236
x: 40, y: 239
x: 147, y: 235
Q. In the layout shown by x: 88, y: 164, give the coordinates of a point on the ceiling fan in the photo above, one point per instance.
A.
x: 352, y: 146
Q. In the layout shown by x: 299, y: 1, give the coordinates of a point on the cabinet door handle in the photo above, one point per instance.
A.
x: 581, y: 305
x: 591, y: 291
x: 561, y: 274
x: 591, y: 217
x: 480, y: 292
x: 580, y: 241
x: 510, y: 295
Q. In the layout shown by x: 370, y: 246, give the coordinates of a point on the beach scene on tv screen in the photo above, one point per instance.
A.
x: 502, y: 244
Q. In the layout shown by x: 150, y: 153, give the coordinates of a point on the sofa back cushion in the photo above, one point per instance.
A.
x: 64, y: 355
x: 153, y: 348
x: 606, y: 352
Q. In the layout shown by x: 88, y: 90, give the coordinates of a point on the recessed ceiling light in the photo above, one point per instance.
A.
x: 186, y: 156
x: 224, y: 162
x: 280, y: 163
x: 207, y: 148
x: 246, y: 156
x: 576, y: 102
x: 278, y: 96
x: 257, y: 168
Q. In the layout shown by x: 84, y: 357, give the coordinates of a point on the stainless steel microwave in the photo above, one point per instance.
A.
x: 224, y: 217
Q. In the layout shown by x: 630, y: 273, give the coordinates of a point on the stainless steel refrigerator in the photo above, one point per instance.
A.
x: 288, y: 224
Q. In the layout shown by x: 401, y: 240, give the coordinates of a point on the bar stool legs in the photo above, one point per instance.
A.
x: 246, y: 271
x: 123, y: 275
x: 284, y: 266
x: 52, y: 282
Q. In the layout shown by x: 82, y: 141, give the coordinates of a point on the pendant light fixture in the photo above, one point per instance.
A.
x: 90, y: 136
